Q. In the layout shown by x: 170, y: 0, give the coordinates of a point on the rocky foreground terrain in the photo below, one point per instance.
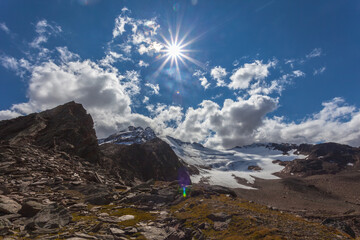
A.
x: 56, y: 182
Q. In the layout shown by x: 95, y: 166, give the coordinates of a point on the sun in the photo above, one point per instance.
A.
x: 173, y: 50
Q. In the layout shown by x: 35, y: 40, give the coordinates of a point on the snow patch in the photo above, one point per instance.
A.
x: 219, y: 167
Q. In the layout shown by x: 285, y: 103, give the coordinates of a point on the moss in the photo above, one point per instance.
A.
x: 76, y: 217
x: 248, y: 221
x: 139, y: 215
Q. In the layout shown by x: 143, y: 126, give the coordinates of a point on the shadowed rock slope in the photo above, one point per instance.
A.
x: 66, y: 128
x: 153, y: 159
x: 325, y: 158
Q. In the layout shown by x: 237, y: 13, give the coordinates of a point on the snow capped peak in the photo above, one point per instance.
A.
x: 233, y: 167
x: 130, y: 136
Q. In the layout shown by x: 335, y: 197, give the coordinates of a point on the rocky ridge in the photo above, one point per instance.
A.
x: 52, y: 188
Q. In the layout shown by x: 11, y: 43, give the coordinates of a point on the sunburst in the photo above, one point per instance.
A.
x: 175, y: 52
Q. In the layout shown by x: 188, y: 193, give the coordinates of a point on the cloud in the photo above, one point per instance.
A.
x: 44, y: 30
x: 112, y: 57
x: 142, y: 34
x: 66, y: 55
x: 107, y: 92
x: 143, y: 64
x: 233, y: 124
x: 4, y: 28
x: 163, y: 114
x: 154, y: 87
x: 20, y: 67
x: 316, y: 52
x: 275, y: 86
x: 337, y: 122
x: 219, y: 73
x: 319, y: 71
x: 146, y: 99
x: 242, y: 77
x: 7, y: 114
x: 131, y: 82
x: 203, y: 80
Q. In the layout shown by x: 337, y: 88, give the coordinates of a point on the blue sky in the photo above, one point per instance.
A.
x: 255, y: 71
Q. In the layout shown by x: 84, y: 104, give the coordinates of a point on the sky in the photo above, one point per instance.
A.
x: 221, y: 73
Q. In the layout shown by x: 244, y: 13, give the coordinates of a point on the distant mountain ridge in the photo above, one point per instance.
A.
x: 237, y: 167
x: 130, y: 136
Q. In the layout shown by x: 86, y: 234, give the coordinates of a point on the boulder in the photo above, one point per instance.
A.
x: 50, y: 217
x: 8, y: 205
x: 30, y: 208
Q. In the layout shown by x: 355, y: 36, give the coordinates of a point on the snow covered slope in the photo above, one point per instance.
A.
x: 227, y: 167
x: 130, y: 136
x: 235, y: 168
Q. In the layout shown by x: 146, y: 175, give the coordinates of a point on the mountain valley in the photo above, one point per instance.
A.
x: 58, y: 181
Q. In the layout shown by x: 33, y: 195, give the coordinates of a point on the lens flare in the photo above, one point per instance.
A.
x: 184, y: 191
x: 174, y: 51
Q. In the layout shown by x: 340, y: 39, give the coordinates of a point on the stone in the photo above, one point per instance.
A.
x: 30, y: 208
x: 116, y: 231
x: 5, y: 226
x: 50, y: 217
x: 219, y: 226
x: 8, y: 205
x: 219, y: 217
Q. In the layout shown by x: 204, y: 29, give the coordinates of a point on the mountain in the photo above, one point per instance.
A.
x: 56, y: 182
x: 240, y: 166
x: 237, y: 167
x: 153, y: 159
x: 324, y: 158
x: 130, y: 136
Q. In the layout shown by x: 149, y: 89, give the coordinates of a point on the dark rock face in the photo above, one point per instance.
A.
x: 153, y: 159
x: 325, y: 158
x: 66, y: 128
x: 50, y: 217
x: 30, y: 208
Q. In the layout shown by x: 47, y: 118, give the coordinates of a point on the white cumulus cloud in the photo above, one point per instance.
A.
x: 219, y: 73
x: 242, y: 77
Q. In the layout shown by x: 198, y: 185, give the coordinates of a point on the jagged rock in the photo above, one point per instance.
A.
x: 50, y: 217
x: 8, y: 205
x: 5, y: 226
x: 340, y: 225
x: 254, y: 168
x: 99, y: 199
x: 153, y: 159
x: 30, y: 208
x: 147, y: 199
x: 325, y: 158
x: 176, y: 235
x: 132, y: 135
x: 67, y: 128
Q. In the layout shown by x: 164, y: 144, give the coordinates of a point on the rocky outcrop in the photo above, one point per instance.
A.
x: 153, y: 159
x: 325, y: 158
x: 130, y: 136
x: 66, y: 128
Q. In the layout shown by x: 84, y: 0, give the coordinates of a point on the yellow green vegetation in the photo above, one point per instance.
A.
x: 248, y: 220
x: 139, y: 215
